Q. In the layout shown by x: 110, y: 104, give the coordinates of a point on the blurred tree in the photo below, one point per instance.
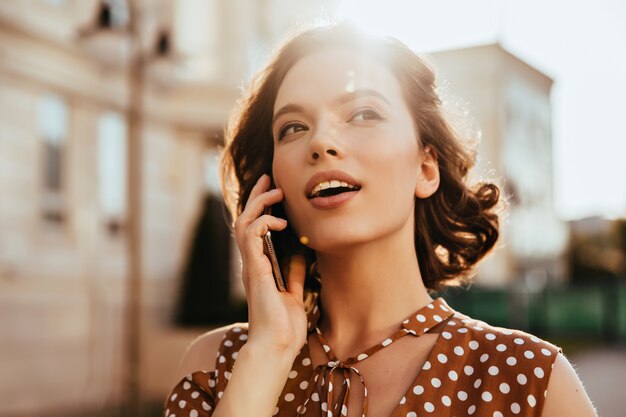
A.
x: 598, y: 250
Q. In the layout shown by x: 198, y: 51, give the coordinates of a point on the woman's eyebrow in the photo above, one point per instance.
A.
x: 288, y: 108
x: 353, y: 95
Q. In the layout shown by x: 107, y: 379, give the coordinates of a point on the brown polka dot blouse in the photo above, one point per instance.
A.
x: 473, y: 369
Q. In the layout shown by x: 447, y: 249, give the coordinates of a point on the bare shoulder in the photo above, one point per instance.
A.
x: 202, y: 351
x: 566, y: 393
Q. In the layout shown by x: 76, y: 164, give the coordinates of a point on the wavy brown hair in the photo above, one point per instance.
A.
x: 454, y: 228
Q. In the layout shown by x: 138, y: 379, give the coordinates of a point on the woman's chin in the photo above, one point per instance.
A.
x: 335, y: 243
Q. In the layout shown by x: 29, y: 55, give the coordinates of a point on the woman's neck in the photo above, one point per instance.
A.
x: 368, y: 290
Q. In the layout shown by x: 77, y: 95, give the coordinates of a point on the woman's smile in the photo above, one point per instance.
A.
x: 331, y: 189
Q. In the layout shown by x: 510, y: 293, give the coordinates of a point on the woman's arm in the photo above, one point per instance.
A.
x: 256, y: 383
x: 566, y: 394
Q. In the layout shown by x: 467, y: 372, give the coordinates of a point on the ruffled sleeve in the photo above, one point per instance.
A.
x: 197, y: 394
x: 193, y: 396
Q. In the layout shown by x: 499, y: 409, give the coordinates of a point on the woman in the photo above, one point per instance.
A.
x: 371, y: 180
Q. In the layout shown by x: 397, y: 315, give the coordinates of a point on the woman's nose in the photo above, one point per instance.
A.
x: 324, y: 144
x: 329, y: 151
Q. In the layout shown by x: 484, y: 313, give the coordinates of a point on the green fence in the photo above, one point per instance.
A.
x: 593, y: 311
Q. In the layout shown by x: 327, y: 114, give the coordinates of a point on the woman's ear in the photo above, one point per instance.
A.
x: 428, y: 175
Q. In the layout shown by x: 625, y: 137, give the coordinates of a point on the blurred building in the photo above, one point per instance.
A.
x: 64, y: 107
x: 65, y: 103
x: 509, y: 101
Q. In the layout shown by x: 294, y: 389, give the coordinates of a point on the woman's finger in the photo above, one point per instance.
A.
x: 262, y: 225
x: 255, y: 208
x: 261, y: 185
x: 252, y: 250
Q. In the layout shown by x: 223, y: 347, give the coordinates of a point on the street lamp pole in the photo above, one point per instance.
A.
x: 134, y: 189
x: 112, y: 42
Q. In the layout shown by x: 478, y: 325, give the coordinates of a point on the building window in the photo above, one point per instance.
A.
x: 197, y: 36
x: 52, y: 126
x: 112, y: 170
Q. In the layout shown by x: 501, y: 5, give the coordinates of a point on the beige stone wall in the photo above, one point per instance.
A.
x: 63, y: 286
x: 58, y: 331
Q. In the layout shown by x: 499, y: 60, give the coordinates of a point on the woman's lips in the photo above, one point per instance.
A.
x: 333, y: 201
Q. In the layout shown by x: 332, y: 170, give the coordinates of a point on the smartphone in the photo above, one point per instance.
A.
x: 270, y: 252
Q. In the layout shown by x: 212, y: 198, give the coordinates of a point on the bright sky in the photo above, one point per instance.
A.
x: 581, y: 45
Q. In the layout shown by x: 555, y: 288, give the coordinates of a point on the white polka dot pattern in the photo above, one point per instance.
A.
x: 473, y: 369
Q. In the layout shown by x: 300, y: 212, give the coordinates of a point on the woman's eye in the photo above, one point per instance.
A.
x: 366, y: 114
x: 290, y: 129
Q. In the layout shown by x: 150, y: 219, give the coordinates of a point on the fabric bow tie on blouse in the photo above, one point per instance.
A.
x: 334, y: 400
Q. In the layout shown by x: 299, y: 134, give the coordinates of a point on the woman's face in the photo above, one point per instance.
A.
x: 336, y: 110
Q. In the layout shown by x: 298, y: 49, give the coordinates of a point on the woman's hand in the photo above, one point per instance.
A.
x: 277, y: 321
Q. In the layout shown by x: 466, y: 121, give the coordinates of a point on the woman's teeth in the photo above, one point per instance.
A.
x: 331, y: 184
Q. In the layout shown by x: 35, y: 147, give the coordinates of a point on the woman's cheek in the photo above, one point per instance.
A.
x: 292, y: 214
x: 281, y: 180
